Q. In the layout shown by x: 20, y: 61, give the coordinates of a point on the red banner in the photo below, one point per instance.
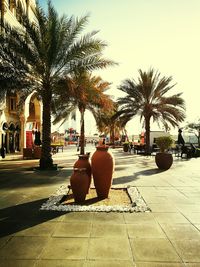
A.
x: 29, y: 139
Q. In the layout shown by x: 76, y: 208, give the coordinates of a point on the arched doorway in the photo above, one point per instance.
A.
x: 30, y: 121
x: 33, y: 123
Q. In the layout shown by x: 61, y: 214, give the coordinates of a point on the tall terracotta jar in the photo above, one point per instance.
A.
x: 83, y: 162
x: 102, y: 163
x: 79, y: 181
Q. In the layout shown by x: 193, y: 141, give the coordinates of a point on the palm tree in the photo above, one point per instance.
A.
x: 82, y: 91
x: 147, y: 98
x: 110, y: 122
x: 37, y: 56
x: 194, y: 127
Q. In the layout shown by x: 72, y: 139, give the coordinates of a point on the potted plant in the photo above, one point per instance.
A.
x: 163, y: 158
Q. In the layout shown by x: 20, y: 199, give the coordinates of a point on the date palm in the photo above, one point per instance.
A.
x: 110, y: 122
x: 38, y: 55
x: 194, y: 127
x: 148, y: 97
x: 82, y: 91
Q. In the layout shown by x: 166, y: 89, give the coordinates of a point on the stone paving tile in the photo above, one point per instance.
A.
x: 77, y: 217
x: 65, y: 248
x: 169, y: 217
x: 60, y: 263
x: 42, y: 229
x: 188, y: 189
x: 195, y: 199
x: 23, y: 248
x: 113, y: 263
x: 38, y: 217
x: 17, y: 263
x: 4, y: 240
x: 177, y: 200
x: 75, y: 229
x: 193, y: 217
x: 142, y: 182
x: 181, y: 231
x: 155, y: 199
x: 189, y: 207
x: 158, y: 264
x: 109, y: 248
x: 188, y: 249
x: 109, y: 230
x: 146, y: 217
x: 163, y: 208
x: 111, y: 217
x: 197, y: 226
x: 10, y: 200
x: 192, y: 264
x: 152, y: 230
x: 153, y: 249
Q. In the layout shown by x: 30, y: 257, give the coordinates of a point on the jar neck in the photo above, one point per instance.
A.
x: 102, y: 148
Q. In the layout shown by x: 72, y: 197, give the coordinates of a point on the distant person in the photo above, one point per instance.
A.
x: 3, y: 152
x: 78, y: 144
x: 181, y: 143
x: 180, y: 138
x: 130, y: 147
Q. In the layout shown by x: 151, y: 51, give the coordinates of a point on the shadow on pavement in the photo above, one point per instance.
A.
x: 24, y: 216
x: 135, y: 176
x: 29, y: 178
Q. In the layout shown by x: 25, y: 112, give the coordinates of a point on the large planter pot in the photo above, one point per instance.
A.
x: 79, y: 181
x: 125, y: 147
x: 164, y: 160
x: 83, y: 162
x: 102, y: 163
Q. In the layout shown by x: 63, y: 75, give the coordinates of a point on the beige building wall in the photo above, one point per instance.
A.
x: 15, y: 122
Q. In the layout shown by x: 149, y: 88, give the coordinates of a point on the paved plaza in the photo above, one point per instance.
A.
x: 167, y: 236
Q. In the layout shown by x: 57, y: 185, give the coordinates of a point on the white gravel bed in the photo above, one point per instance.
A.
x: 137, y: 203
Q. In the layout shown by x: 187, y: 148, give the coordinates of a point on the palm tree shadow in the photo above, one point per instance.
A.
x: 24, y: 216
x: 135, y: 176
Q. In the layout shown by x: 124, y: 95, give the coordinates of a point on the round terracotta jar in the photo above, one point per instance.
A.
x: 83, y: 162
x: 79, y: 181
x: 102, y: 163
x: 164, y: 160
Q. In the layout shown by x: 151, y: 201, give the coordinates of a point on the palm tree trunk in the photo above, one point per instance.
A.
x: 125, y: 131
x: 46, y: 161
x: 147, y: 135
x: 112, y: 136
x: 82, y: 133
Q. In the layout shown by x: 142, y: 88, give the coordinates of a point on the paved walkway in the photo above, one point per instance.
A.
x: 167, y: 236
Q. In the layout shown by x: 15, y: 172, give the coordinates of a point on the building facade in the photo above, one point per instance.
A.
x: 20, y: 126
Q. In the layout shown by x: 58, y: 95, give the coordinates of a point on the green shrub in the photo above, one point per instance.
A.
x: 164, y: 142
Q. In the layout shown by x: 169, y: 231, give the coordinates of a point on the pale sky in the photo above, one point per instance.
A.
x: 163, y: 34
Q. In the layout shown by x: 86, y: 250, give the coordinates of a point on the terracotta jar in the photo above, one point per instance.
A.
x: 102, y: 163
x: 79, y: 181
x: 83, y: 162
